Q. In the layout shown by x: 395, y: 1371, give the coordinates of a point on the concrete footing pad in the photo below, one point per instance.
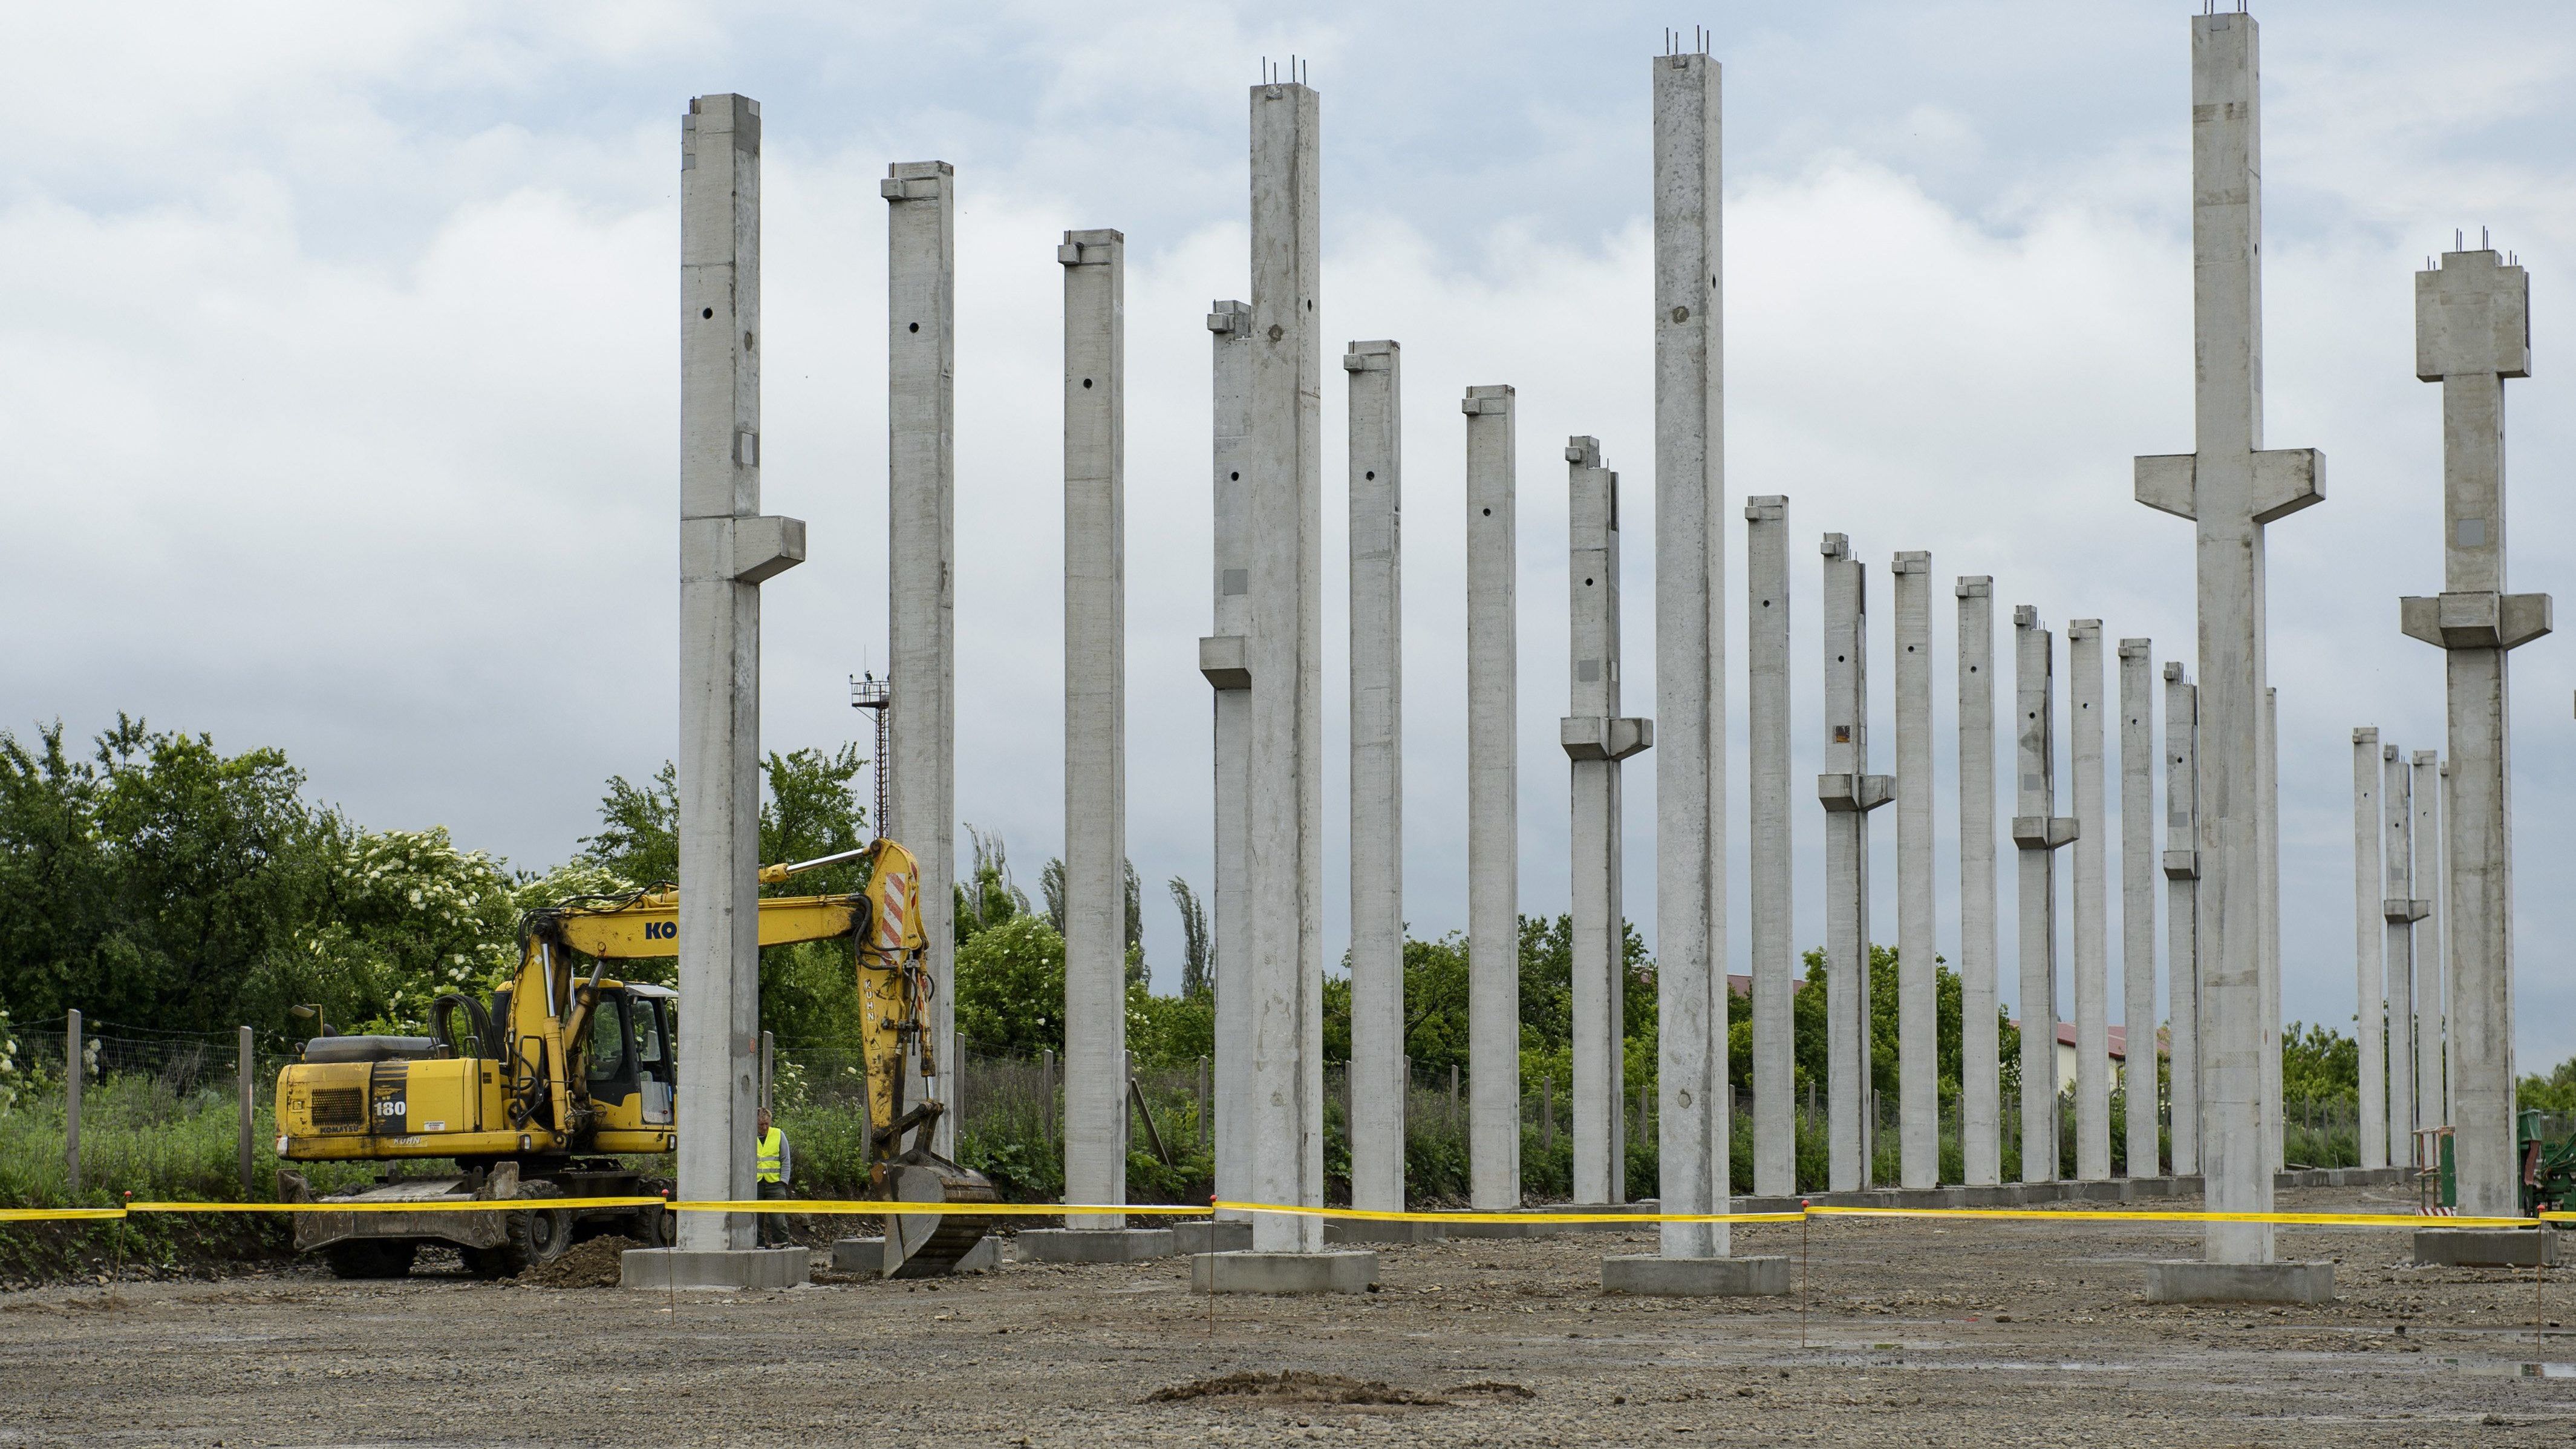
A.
x: 1368, y: 1230
x: 1350, y: 1271
x: 1094, y: 1245
x: 1220, y: 1236
x: 2193, y: 1281
x: 1654, y: 1276
x: 2486, y: 1247
x: 667, y: 1268
x: 867, y: 1255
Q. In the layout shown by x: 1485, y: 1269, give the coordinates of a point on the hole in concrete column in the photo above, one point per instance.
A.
x: 746, y: 342
x: 1587, y: 583
x: 1086, y: 382
x: 1234, y: 477
x: 1489, y: 513
x: 915, y: 327
x: 1972, y: 669
x: 704, y: 312
x: 1372, y: 475
x: 1909, y: 648
x: 1838, y: 659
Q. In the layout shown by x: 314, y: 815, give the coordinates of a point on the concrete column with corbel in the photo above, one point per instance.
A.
x: 1493, y: 805
x: 2369, y: 936
x: 2429, y: 952
x: 1596, y: 737
x: 1918, y: 1050
x: 1375, y: 371
x: 2092, y: 904
x: 1980, y: 1041
x: 1224, y: 663
x: 2472, y: 332
x: 2182, y: 923
x: 1848, y: 792
x: 2138, y: 903
x: 2399, y: 910
x: 1768, y: 857
x: 2038, y: 833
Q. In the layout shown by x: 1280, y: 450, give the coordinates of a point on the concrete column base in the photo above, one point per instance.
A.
x: 2192, y: 1281
x: 2486, y: 1247
x: 1221, y: 1236
x: 667, y: 1268
x: 1652, y: 1275
x: 1369, y: 1230
x: 1345, y: 1272
x: 1094, y: 1245
x: 867, y: 1255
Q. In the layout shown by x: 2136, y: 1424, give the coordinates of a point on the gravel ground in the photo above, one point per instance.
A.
x: 1905, y: 1332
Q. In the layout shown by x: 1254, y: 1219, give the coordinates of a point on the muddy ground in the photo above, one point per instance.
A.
x: 1911, y: 1332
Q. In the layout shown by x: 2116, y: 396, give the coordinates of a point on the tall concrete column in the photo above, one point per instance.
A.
x: 2428, y: 785
x: 1918, y: 1046
x: 1980, y: 1078
x: 2369, y: 930
x: 1849, y: 792
x: 1224, y: 662
x: 1377, y: 775
x: 2038, y: 833
x: 727, y: 548
x: 2232, y: 488
x: 1095, y: 721
x: 2399, y: 911
x: 1690, y: 655
x: 2182, y: 918
x: 921, y: 567
x: 1493, y: 807
x: 1283, y: 484
x: 2092, y: 905
x: 2269, y: 854
x: 2138, y: 902
x: 2472, y: 331
x: 1768, y: 853
x: 1596, y: 738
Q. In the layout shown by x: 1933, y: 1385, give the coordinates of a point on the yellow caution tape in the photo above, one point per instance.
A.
x: 1373, y: 1216
x: 432, y: 1205
x: 39, y: 1215
x: 2129, y: 1215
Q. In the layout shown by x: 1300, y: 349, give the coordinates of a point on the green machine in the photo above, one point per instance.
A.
x: 2548, y: 1168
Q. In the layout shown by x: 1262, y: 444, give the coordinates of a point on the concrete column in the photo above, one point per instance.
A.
x: 1768, y: 854
x: 2182, y: 920
x: 2092, y: 930
x: 1596, y: 737
x: 1095, y: 722
x: 2232, y: 488
x: 1918, y: 1072
x: 2037, y: 832
x: 1849, y: 792
x: 921, y: 565
x: 2138, y: 902
x: 2270, y: 856
x: 1980, y: 1106
x: 1282, y: 467
x: 1224, y: 663
x: 2400, y: 910
x: 2428, y: 784
x: 2472, y: 331
x: 726, y: 550
x: 1377, y: 775
x: 1690, y: 655
x: 2369, y: 928
x: 1493, y: 807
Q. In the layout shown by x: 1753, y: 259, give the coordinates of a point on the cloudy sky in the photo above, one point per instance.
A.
x: 338, y: 391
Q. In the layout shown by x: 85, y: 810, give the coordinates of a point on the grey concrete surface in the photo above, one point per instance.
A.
x: 1848, y: 793
x: 2369, y: 938
x: 2090, y: 898
x: 1493, y: 802
x: 1096, y: 1116
x: 1347, y: 1270
x: 2232, y: 488
x: 1917, y: 989
x: 2038, y: 833
x: 2486, y: 1247
x: 1282, y: 464
x: 2429, y: 879
x: 921, y: 566
x: 1376, y: 490
x: 726, y: 550
x: 1094, y: 1245
x: 1223, y: 662
x: 867, y: 1256
x: 1654, y: 1276
x: 2194, y: 1281
x: 2268, y: 855
x: 2144, y: 1149
x: 2182, y: 918
x: 665, y: 1269
x: 1769, y: 855
x: 2399, y: 911
x: 2472, y: 332
x: 1690, y: 651
x: 1980, y: 1044
x: 1212, y: 1237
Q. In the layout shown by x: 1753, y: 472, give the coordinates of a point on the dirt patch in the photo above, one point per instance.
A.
x: 1293, y: 1386
x: 597, y: 1263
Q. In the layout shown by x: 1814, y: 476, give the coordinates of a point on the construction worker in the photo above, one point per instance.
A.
x: 776, y: 1163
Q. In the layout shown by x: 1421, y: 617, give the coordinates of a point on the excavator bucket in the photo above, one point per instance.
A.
x: 929, y: 1245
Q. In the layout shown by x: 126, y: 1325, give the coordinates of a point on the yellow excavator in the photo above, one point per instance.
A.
x: 568, y: 1070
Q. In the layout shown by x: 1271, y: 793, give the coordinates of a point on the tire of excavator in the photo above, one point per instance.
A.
x: 371, y: 1257
x: 537, y: 1236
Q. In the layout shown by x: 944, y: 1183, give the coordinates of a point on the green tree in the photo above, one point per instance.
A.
x: 2554, y: 1092
x: 2319, y: 1065
x: 1010, y: 987
x: 1198, y: 946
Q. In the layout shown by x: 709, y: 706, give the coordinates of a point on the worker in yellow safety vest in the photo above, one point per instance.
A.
x: 776, y: 1160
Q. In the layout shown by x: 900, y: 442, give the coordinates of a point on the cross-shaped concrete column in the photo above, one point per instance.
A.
x: 2182, y: 922
x: 2369, y: 985
x: 2038, y: 831
x: 2399, y: 909
x: 2231, y: 487
x: 1224, y: 663
x: 1849, y: 792
x: 1597, y: 737
x: 2472, y: 331
x: 2138, y: 902
x: 1918, y: 1082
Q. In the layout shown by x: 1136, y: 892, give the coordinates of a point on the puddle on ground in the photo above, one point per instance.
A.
x: 2492, y: 1368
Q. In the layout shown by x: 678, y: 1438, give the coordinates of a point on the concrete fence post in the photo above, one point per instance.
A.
x: 74, y: 1073
x: 249, y: 1101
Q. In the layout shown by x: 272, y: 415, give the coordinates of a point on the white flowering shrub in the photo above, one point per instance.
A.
x: 411, y: 916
